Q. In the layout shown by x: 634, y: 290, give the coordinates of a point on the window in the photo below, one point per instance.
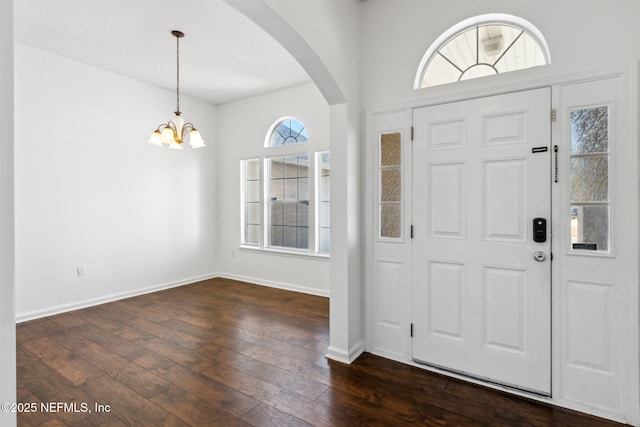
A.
x: 295, y: 214
x: 323, y: 161
x: 390, y: 190
x: 289, y: 201
x: 482, y: 46
x: 250, y: 172
x: 589, y: 179
x: 287, y: 131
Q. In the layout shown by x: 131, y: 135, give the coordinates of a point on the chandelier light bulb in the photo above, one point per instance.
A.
x: 156, y: 138
x: 167, y: 135
x: 195, y: 139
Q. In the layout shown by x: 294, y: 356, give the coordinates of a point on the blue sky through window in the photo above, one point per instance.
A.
x: 287, y: 132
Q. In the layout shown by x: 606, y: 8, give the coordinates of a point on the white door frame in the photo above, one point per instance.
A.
x: 628, y: 75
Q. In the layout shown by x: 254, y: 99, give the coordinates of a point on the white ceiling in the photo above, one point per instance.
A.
x: 223, y: 56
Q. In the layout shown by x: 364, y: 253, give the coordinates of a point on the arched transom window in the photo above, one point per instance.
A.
x: 286, y: 131
x: 482, y: 46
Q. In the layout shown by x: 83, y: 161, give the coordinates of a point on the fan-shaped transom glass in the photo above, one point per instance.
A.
x: 482, y: 49
x: 287, y: 131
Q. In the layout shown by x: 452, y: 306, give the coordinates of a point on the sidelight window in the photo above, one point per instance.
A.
x: 589, y: 179
x: 390, y: 185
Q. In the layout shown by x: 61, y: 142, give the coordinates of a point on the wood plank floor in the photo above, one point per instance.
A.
x: 223, y: 352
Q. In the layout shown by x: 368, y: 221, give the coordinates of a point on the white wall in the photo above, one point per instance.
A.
x: 7, y: 306
x: 242, y: 128
x: 90, y: 192
x: 582, y: 35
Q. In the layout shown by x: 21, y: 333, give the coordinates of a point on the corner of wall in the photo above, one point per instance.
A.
x: 7, y: 228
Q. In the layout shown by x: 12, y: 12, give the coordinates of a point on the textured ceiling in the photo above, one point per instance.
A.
x: 223, y: 56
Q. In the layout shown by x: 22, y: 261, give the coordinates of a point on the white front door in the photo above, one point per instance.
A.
x: 481, y: 281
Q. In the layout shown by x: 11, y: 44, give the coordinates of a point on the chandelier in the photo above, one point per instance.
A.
x: 174, y: 132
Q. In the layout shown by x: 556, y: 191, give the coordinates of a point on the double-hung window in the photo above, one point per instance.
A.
x: 288, y: 182
x: 285, y: 194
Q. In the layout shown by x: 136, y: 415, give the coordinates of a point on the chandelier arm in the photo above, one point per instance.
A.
x: 169, y: 125
x: 186, y: 128
x: 174, y: 129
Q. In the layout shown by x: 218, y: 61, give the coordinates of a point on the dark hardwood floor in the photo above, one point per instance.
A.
x: 223, y: 352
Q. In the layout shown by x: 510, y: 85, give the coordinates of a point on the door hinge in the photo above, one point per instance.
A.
x: 411, y: 330
x: 411, y: 231
x: 554, y: 115
x: 412, y: 133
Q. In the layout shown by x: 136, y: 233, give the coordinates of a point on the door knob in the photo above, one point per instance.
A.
x: 539, y: 256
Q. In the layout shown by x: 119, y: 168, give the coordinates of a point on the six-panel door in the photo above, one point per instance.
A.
x: 481, y: 285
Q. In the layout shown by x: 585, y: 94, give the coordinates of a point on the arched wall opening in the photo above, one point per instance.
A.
x: 346, y: 319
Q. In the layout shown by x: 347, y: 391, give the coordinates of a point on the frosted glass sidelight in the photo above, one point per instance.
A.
x: 589, y: 179
x: 390, y: 153
x: 390, y: 219
x: 590, y: 131
x: 390, y: 185
x: 390, y: 188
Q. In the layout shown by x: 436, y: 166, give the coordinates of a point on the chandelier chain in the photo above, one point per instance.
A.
x: 177, y: 74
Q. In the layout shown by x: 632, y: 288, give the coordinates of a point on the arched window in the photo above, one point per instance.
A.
x: 285, y: 193
x: 286, y: 131
x: 482, y: 46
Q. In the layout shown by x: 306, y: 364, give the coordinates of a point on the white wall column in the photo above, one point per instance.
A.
x: 345, y: 323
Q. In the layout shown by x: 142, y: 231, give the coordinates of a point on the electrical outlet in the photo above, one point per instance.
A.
x: 81, y: 272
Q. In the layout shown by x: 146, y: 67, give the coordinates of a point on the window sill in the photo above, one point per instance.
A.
x: 278, y: 252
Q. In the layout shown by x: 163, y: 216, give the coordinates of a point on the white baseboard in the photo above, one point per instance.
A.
x: 31, y: 315
x: 77, y: 305
x: 278, y: 285
x: 340, y: 355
